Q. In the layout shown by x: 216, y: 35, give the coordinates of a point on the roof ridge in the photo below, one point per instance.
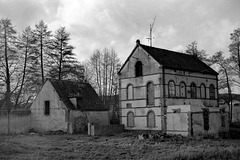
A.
x: 167, y: 50
x: 68, y: 80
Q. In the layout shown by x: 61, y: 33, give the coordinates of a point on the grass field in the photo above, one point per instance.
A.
x: 121, y: 146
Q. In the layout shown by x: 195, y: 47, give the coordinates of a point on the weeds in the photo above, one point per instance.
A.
x: 122, y: 146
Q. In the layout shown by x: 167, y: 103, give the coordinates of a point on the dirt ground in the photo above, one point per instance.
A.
x: 121, y: 146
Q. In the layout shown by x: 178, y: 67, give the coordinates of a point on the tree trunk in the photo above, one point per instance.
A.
x: 41, y: 55
x: 229, y: 95
x: 238, y: 46
x: 60, y: 63
x: 8, y: 89
x: 24, y: 73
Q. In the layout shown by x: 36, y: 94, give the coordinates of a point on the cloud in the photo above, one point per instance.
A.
x: 111, y: 23
x: 27, y: 12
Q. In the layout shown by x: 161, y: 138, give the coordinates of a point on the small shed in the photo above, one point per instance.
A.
x: 68, y: 106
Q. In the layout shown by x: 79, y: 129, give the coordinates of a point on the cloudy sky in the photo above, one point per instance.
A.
x: 97, y: 24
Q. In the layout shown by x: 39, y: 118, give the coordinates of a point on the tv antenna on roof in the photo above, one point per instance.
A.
x: 150, y: 38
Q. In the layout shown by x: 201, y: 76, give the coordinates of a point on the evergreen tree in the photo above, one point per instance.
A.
x: 64, y: 58
x: 192, y: 49
x: 42, y: 36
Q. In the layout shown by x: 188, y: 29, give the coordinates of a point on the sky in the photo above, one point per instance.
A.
x: 117, y: 24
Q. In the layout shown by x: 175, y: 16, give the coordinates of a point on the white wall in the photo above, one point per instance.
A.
x: 177, y: 119
x: 56, y: 120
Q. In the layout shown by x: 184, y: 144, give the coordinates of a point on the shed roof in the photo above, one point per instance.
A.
x: 88, y: 99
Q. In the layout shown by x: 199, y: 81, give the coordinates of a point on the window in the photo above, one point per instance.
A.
x: 130, y: 119
x: 202, y: 91
x: 47, y: 108
x: 130, y: 91
x: 212, y: 91
x: 151, y: 119
x: 171, y: 88
x: 138, y: 69
x: 193, y: 90
x: 182, y: 88
x: 150, y: 93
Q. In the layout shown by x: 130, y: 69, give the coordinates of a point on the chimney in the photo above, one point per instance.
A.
x: 137, y: 41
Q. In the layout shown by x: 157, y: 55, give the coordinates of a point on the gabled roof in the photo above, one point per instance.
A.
x: 175, y: 60
x: 88, y: 99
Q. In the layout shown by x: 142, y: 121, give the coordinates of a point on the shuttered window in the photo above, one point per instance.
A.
x: 212, y: 91
x: 151, y: 119
x: 182, y: 88
x: 150, y: 93
x: 130, y: 91
x: 203, y: 91
x: 193, y: 90
x: 130, y: 119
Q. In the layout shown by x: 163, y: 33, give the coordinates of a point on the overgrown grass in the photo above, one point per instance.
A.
x: 122, y: 146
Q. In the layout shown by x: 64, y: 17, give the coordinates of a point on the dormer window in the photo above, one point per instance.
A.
x: 138, y: 69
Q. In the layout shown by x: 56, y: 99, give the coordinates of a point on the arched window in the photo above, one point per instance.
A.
x: 130, y: 119
x: 202, y: 91
x: 130, y: 91
x: 182, y: 89
x: 171, y: 89
x: 193, y: 90
x: 212, y: 91
x: 151, y: 119
x: 150, y: 93
x: 138, y: 69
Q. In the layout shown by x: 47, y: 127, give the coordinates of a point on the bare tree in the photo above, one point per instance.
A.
x: 225, y: 76
x: 26, y: 47
x: 8, y: 40
x: 104, y: 64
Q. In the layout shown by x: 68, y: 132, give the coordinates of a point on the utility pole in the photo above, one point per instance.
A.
x: 150, y: 38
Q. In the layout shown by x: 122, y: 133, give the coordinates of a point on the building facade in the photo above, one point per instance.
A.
x: 151, y: 79
x: 67, y: 106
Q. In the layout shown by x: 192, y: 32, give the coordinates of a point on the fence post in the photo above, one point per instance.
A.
x: 190, y: 126
x: 92, y: 130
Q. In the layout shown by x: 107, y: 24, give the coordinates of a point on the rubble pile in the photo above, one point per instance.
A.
x: 161, y: 137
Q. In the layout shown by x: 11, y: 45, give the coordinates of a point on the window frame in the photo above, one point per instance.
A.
x: 127, y: 95
x: 47, y: 108
x: 133, y: 122
x: 185, y: 89
x: 138, y: 69
x: 212, y: 92
x: 193, y: 95
x: 154, y: 119
x: 201, y: 95
x: 170, y: 89
x: 148, y: 94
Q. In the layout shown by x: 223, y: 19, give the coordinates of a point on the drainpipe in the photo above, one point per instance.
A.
x: 217, y: 92
x: 164, y: 107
